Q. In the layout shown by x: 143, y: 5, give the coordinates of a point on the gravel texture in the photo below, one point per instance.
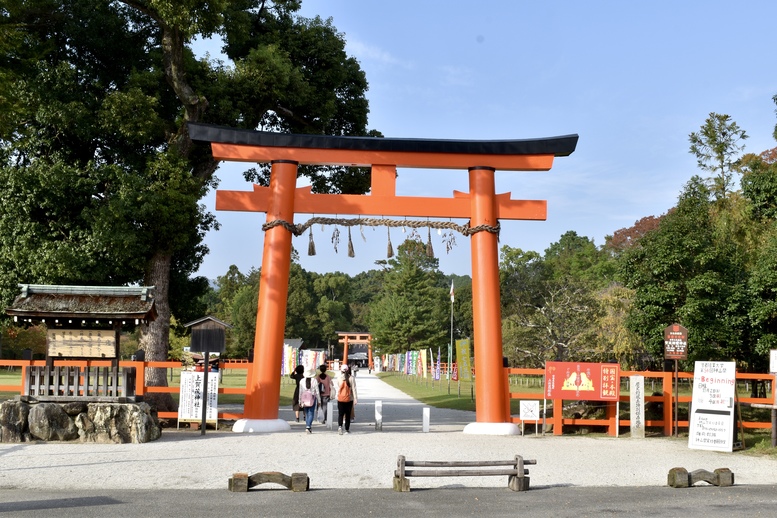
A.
x: 365, y: 458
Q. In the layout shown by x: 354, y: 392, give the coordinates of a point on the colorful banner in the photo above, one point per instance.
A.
x: 421, y: 369
x: 585, y: 381
x: 437, y: 367
x: 463, y: 360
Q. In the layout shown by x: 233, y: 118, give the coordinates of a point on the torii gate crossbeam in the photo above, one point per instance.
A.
x: 282, y: 200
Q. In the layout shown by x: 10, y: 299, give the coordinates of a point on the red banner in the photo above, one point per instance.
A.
x: 586, y: 381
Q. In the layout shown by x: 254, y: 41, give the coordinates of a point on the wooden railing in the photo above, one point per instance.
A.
x: 610, y: 421
x: 666, y: 399
x: 141, y: 389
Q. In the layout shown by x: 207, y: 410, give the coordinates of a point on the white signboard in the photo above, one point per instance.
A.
x: 530, y: 410
x: 773, y: 361
x: 712, y: 406
x: 192, y: 397
x: 637, y: 406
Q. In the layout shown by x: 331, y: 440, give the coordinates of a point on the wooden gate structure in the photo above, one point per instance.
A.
x: 355, y: 338
x: 282, y: 200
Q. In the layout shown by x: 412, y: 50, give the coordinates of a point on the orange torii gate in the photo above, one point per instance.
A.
x: 355, y: 338
x: 282, y: 200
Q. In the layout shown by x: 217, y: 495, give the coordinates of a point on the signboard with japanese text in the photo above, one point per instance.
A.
x: 712, y: 406
x: 81, y: 343
x: 637, y: 406
x: 586, y: 381
x: 192, y: 397
x: 675, y: 342
x: 463, y: 360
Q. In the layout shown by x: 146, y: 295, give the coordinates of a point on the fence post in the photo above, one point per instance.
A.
x: 558, y: 417
x: 666, y: 381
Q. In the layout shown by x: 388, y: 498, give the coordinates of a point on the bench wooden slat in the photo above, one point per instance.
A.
x: 459, y: 472
x: 462, y: 463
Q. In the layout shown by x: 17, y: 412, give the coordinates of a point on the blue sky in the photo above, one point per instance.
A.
x: 633, y: 79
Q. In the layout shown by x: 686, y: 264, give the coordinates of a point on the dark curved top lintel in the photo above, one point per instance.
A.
x: 558, y: 146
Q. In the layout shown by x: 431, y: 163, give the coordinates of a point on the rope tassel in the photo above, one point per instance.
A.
x: 389, y: 249
x: 311, y: 244
x: 350, y: 244
x: 429, y: 249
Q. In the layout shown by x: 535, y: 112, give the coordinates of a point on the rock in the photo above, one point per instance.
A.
x: 118, y: 423
x: 13, y: 421
x: 49, y: 422
x: 74, y: 408
x: 97, y: 422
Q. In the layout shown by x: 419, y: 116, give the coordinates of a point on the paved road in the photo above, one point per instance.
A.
x: 558, y: 502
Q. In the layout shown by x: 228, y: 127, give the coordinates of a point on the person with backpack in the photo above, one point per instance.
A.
x: 325, y: 386
x: 309, y: 397
x: 345, y: 388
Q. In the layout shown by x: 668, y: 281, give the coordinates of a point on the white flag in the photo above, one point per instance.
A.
x: 451, y: 290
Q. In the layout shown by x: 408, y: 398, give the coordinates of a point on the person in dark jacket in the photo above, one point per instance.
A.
x: 297, y: 375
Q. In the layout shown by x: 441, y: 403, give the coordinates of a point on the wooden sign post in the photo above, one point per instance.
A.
x: 676, y: 348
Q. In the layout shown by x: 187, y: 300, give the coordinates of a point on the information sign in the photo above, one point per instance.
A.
x: 192, y: 397
x: 712, y: 405
x: 676, y: 342
x: 637, y: 406
x: 529, y: 410
x: 84, y: 343
x: 587, y: 381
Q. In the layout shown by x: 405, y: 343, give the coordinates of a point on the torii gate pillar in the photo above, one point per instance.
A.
x: 282, y: 200
x: 486, y: 310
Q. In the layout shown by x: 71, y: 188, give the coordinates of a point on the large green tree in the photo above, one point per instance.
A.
x: 681, y: 272
x: 412, y: 311
x: 99, y: 181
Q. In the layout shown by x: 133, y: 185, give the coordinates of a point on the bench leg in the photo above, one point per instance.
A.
x: 401, y: 484
x: 517, y: 483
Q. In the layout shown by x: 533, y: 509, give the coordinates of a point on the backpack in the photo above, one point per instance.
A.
x: 306, y: 398
x: 344, y: 393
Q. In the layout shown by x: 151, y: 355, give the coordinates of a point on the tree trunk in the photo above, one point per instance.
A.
x: 155, y: 337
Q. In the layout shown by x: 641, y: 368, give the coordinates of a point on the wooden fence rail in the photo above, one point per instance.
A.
x: 611, y: 421
x: 666, y: 401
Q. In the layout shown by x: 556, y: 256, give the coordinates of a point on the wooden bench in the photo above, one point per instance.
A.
x: 517, y: 478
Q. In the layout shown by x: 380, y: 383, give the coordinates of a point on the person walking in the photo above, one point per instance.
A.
x: 345, y: 388
x: 297, y: 375
x: 325, y: 385
x: 309, y: 397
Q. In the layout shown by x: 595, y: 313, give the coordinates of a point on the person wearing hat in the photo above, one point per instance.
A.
x: 309, y: 397
x: 345, y: 389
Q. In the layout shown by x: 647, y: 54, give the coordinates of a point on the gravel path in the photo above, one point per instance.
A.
x: 364, y: 459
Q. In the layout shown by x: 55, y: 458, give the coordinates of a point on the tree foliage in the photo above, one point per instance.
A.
x: 100, y: 182
x: 716, y: 147
x: 410, y: 313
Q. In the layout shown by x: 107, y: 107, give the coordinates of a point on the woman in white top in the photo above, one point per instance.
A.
x: 309, y: 397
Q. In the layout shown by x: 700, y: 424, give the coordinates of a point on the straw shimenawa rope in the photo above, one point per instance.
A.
x: 297, y: 230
